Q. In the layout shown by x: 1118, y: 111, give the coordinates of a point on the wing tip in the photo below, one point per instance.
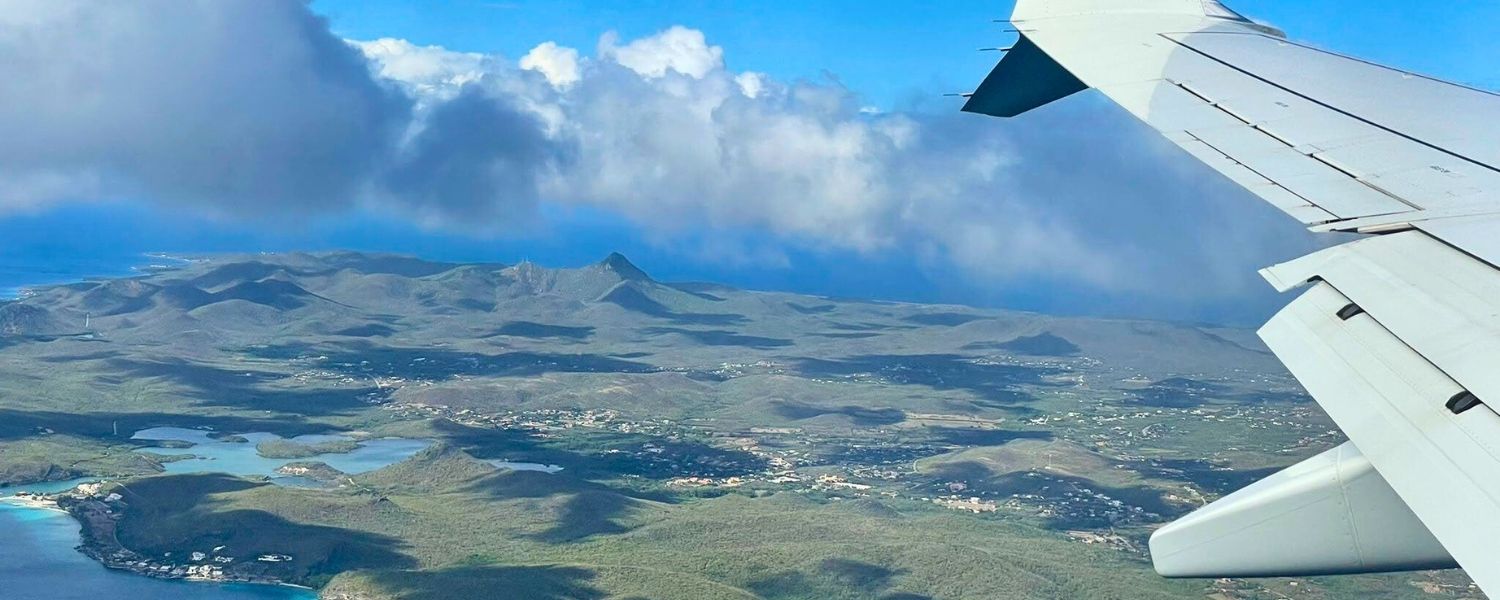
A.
x: 1026, y: 78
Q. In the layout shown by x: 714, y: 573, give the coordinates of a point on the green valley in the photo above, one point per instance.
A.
x: 600, y: 434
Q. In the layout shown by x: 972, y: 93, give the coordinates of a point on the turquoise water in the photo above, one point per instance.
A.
x: 526, y: 466
x: 37, y: 555
x: 239, y: 458
x: 37, y: 560
x: 47, y: 487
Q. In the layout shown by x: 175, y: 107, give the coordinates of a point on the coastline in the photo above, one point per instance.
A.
x: 33, y: 502
x: 41, y: 560
x: 96, y: 518
x: 18, y: 280
x: 93, y: 508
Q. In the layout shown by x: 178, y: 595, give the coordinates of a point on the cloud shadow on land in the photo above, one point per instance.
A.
x: 630, y: 297
x: 860, y: 415
x: 17, y: 424
x: 993, y: 383
x: 581, y: 508
x: 364, y: 359
x: 369, y: 330
x: 971, y: 436
x: 943, y: 319
x: 719, y: 337
x: 834, y: 577
x: 254, y: 390
x: 1179, y: 392
x: 164, y: 515
x: 1042, y: 344
x: 1085, y: 509
x: 604, y: 454
x: 531, y: 583
x: 528, y: 329
x: 1205, y: 474
x: 815, y: 309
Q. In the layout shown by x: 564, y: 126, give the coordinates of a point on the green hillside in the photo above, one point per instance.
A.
x: 602, y: 434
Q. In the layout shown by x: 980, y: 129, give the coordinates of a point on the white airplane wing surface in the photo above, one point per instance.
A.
x: 1397, y: 335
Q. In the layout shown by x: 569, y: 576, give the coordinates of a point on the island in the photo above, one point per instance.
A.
x: 702, y: 441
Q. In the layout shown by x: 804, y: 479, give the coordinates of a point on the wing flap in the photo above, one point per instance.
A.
x: 1328, y: 515
x: 1385, y: 376
x: 1435, y: 299
x: 1394, y: 328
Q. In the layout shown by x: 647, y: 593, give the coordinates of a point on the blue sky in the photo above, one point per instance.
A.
x: 897, y: 52
x: 1055, y: 175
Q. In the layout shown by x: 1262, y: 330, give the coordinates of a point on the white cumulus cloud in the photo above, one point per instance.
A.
x: 430, y: 70
x: 751, y: 83
x: 161, y: 99
x: 679, y: 49
x: 557, y: 63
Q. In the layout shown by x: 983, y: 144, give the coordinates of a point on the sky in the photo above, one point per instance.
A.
x: 769, y: 145
x: 899, y: 53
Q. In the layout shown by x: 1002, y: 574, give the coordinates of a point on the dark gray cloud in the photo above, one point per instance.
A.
x: 478, y: 160
x: 241, y: 105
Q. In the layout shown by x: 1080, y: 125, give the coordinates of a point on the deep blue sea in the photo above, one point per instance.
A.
x: 21, y: 269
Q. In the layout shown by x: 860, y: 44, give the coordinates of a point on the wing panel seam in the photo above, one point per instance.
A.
x: 1336, y: 109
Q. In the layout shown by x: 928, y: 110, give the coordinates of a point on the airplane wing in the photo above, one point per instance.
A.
x: 1397, y: 335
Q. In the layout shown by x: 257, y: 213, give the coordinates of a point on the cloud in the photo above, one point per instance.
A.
x: 253, y: 107
x: 558, y: 64
x: 429, y: 71
x: 249, y: 105
x: 751, y: 83
x: 477, y: 159
x: 678, y: 49
x: 659, y: 131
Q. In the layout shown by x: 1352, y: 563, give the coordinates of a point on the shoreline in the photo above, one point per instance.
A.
x: 143, y: 263
x: 33, y: 503
x: 96, y: 507
x: 96, y: 519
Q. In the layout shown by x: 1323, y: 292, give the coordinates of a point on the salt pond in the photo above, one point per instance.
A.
x: 526, y: 466
x: 210, y: 455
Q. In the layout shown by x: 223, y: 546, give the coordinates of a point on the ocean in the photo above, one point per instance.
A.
x: 19, y: 271
x: 37, y: 560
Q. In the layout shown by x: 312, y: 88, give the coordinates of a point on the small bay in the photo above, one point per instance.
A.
x: 38, y: 558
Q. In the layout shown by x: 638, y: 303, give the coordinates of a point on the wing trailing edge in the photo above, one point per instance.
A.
x: 1397, y: 335
x: 1332, y: 514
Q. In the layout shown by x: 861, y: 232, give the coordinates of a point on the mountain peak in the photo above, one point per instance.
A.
x: 622, y: 266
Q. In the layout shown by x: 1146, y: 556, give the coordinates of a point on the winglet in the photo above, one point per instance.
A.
x: 1025, y: 79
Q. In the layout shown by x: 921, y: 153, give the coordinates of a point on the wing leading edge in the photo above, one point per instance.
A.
x: 1396, y: 335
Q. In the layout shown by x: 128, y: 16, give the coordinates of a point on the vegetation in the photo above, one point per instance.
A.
x: 284, y: 448
x: 314, y: 471
x: 713, y: 443
x: 58, y: 458
x: 492, y: 529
